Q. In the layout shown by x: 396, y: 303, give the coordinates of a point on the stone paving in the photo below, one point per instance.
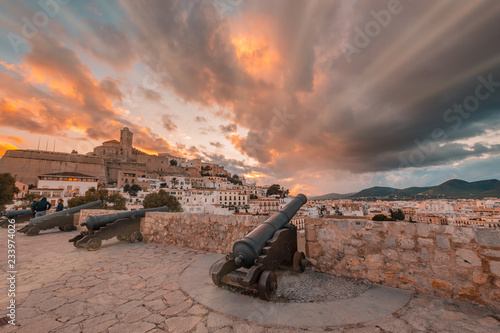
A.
x: 135, y: 288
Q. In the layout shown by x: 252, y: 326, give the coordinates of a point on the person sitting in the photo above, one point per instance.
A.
x: 60, y: 205
x: 41, y: 207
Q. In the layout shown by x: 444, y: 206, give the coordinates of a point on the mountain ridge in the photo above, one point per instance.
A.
x: 450, y: 189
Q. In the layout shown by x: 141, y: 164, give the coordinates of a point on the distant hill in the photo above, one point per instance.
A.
x: 331, y: 196
x: 456, y: 188
x: 451, y: 189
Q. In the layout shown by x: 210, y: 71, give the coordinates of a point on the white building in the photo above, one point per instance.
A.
x: 63, y: 185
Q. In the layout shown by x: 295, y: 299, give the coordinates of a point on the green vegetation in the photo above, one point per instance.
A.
x: 173, y: 162
x: 132, y: 190
x: 397, y: 215
x: 160, y: 199
x: 109, y: 201
x: 276, y: 189
x: 8, y: 189
x: 381, y: 217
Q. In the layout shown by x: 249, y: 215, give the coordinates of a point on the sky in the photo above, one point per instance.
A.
x: 318, y: 96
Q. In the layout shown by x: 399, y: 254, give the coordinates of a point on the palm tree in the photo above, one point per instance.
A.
x: 174, y: 182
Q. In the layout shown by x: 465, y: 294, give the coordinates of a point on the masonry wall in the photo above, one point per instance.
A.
x: 457, y: 262
x: 449, y: 261
x: 26, y: 165
x: 214, y: 233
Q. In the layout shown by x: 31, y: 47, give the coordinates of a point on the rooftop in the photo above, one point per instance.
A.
x: 67, y: 174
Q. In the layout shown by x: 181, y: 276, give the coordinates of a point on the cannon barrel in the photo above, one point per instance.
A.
x: 248, y: 249
x: 98, y: 221
x: 14, y: 213
x: 65, y: 212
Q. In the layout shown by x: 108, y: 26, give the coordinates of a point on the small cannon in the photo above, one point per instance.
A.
x: 63, y: 220
x: 125, y: 226
x: 252, y: 264
x: 20, y: 216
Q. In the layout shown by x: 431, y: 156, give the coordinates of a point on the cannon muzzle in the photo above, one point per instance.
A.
x: 248, y: 249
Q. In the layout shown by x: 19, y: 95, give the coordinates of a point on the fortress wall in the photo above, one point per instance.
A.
x: 26, y: 165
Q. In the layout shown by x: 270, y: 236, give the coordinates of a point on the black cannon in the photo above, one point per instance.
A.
x: 252, y: 264
x: 125, y: 226
x: 62, y: 219
x: 21, y: 216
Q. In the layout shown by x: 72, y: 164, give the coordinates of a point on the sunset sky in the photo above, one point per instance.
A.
x: 318, y: 96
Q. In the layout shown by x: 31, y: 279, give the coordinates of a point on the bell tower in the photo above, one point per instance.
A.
x: 126, y: 138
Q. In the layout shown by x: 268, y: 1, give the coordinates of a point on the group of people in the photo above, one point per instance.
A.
x: 40, y: 207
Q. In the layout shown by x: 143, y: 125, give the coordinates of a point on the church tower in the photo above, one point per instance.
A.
x: 126, y: 138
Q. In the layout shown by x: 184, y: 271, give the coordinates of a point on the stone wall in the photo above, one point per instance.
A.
x: 214, y: 233
x: 26, y: 165
x: 449, y: 261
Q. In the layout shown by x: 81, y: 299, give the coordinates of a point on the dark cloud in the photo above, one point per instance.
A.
x: 228, y: 129
x: 216, y: 144
x: 168, y: 123
x: 150, y: 94
x: 200, y: 119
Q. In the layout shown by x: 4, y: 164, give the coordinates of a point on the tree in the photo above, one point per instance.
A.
x: 273, y: 190
x: 8, y: 189
x: 109, y: 201
x: 160, y: 199
x: 174, y: 181
x: 397, y: 215
x: 173, y: 162
x: 253, y: 196
x: 381, y: 217
x: 29, y: 197
x: 126, y: 188
x: 132, y: 190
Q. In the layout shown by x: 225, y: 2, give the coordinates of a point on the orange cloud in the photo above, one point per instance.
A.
x: 255, y: 55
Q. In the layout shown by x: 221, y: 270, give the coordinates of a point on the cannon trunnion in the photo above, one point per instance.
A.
x: 254, y: 259
x: 62, y: 220
x: 125, y: 226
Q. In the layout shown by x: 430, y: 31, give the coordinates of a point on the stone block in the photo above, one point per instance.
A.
x: 428, y: 242
x: 405, y: 243
x: 491, y: 253
x: 467, y: 258
x: 391, y: 242
x: 409, y: 229
x: 479, y: 277
x: 495, y: 268
x: 311, y: 234
x: 326, y: 234
x: 390, y: 254
x: 358, y: 225
x: 374, y: 261
x: 487, y: 237
x: 350, y: 250
x: 343, y: 225
x: 440, y: 284
x: 423, y: 229
x: 443, y: 242
x: 411, y: 257
x: 394, y: 266
x: 462, y: 235
x: 314, y: 249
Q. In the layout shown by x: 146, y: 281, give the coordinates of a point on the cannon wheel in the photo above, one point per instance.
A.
x: 61, y: 228
x: 268, y: 283
x: 299, y: 262
x: 135, y: 237
x: 121, y: 237
x: 93, y: 244
x: 33, y: 231
x: 69, y: 227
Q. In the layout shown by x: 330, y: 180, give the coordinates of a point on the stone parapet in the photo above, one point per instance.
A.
x: 457, y: 262
x: 214, y: 233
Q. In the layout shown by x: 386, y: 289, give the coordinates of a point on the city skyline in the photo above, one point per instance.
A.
x: 318, y: 97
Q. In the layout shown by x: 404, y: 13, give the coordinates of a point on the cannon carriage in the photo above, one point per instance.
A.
x: 64, y: 220
x: 21, y: 216
x: 254, y: 259
x: 124, y: 226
